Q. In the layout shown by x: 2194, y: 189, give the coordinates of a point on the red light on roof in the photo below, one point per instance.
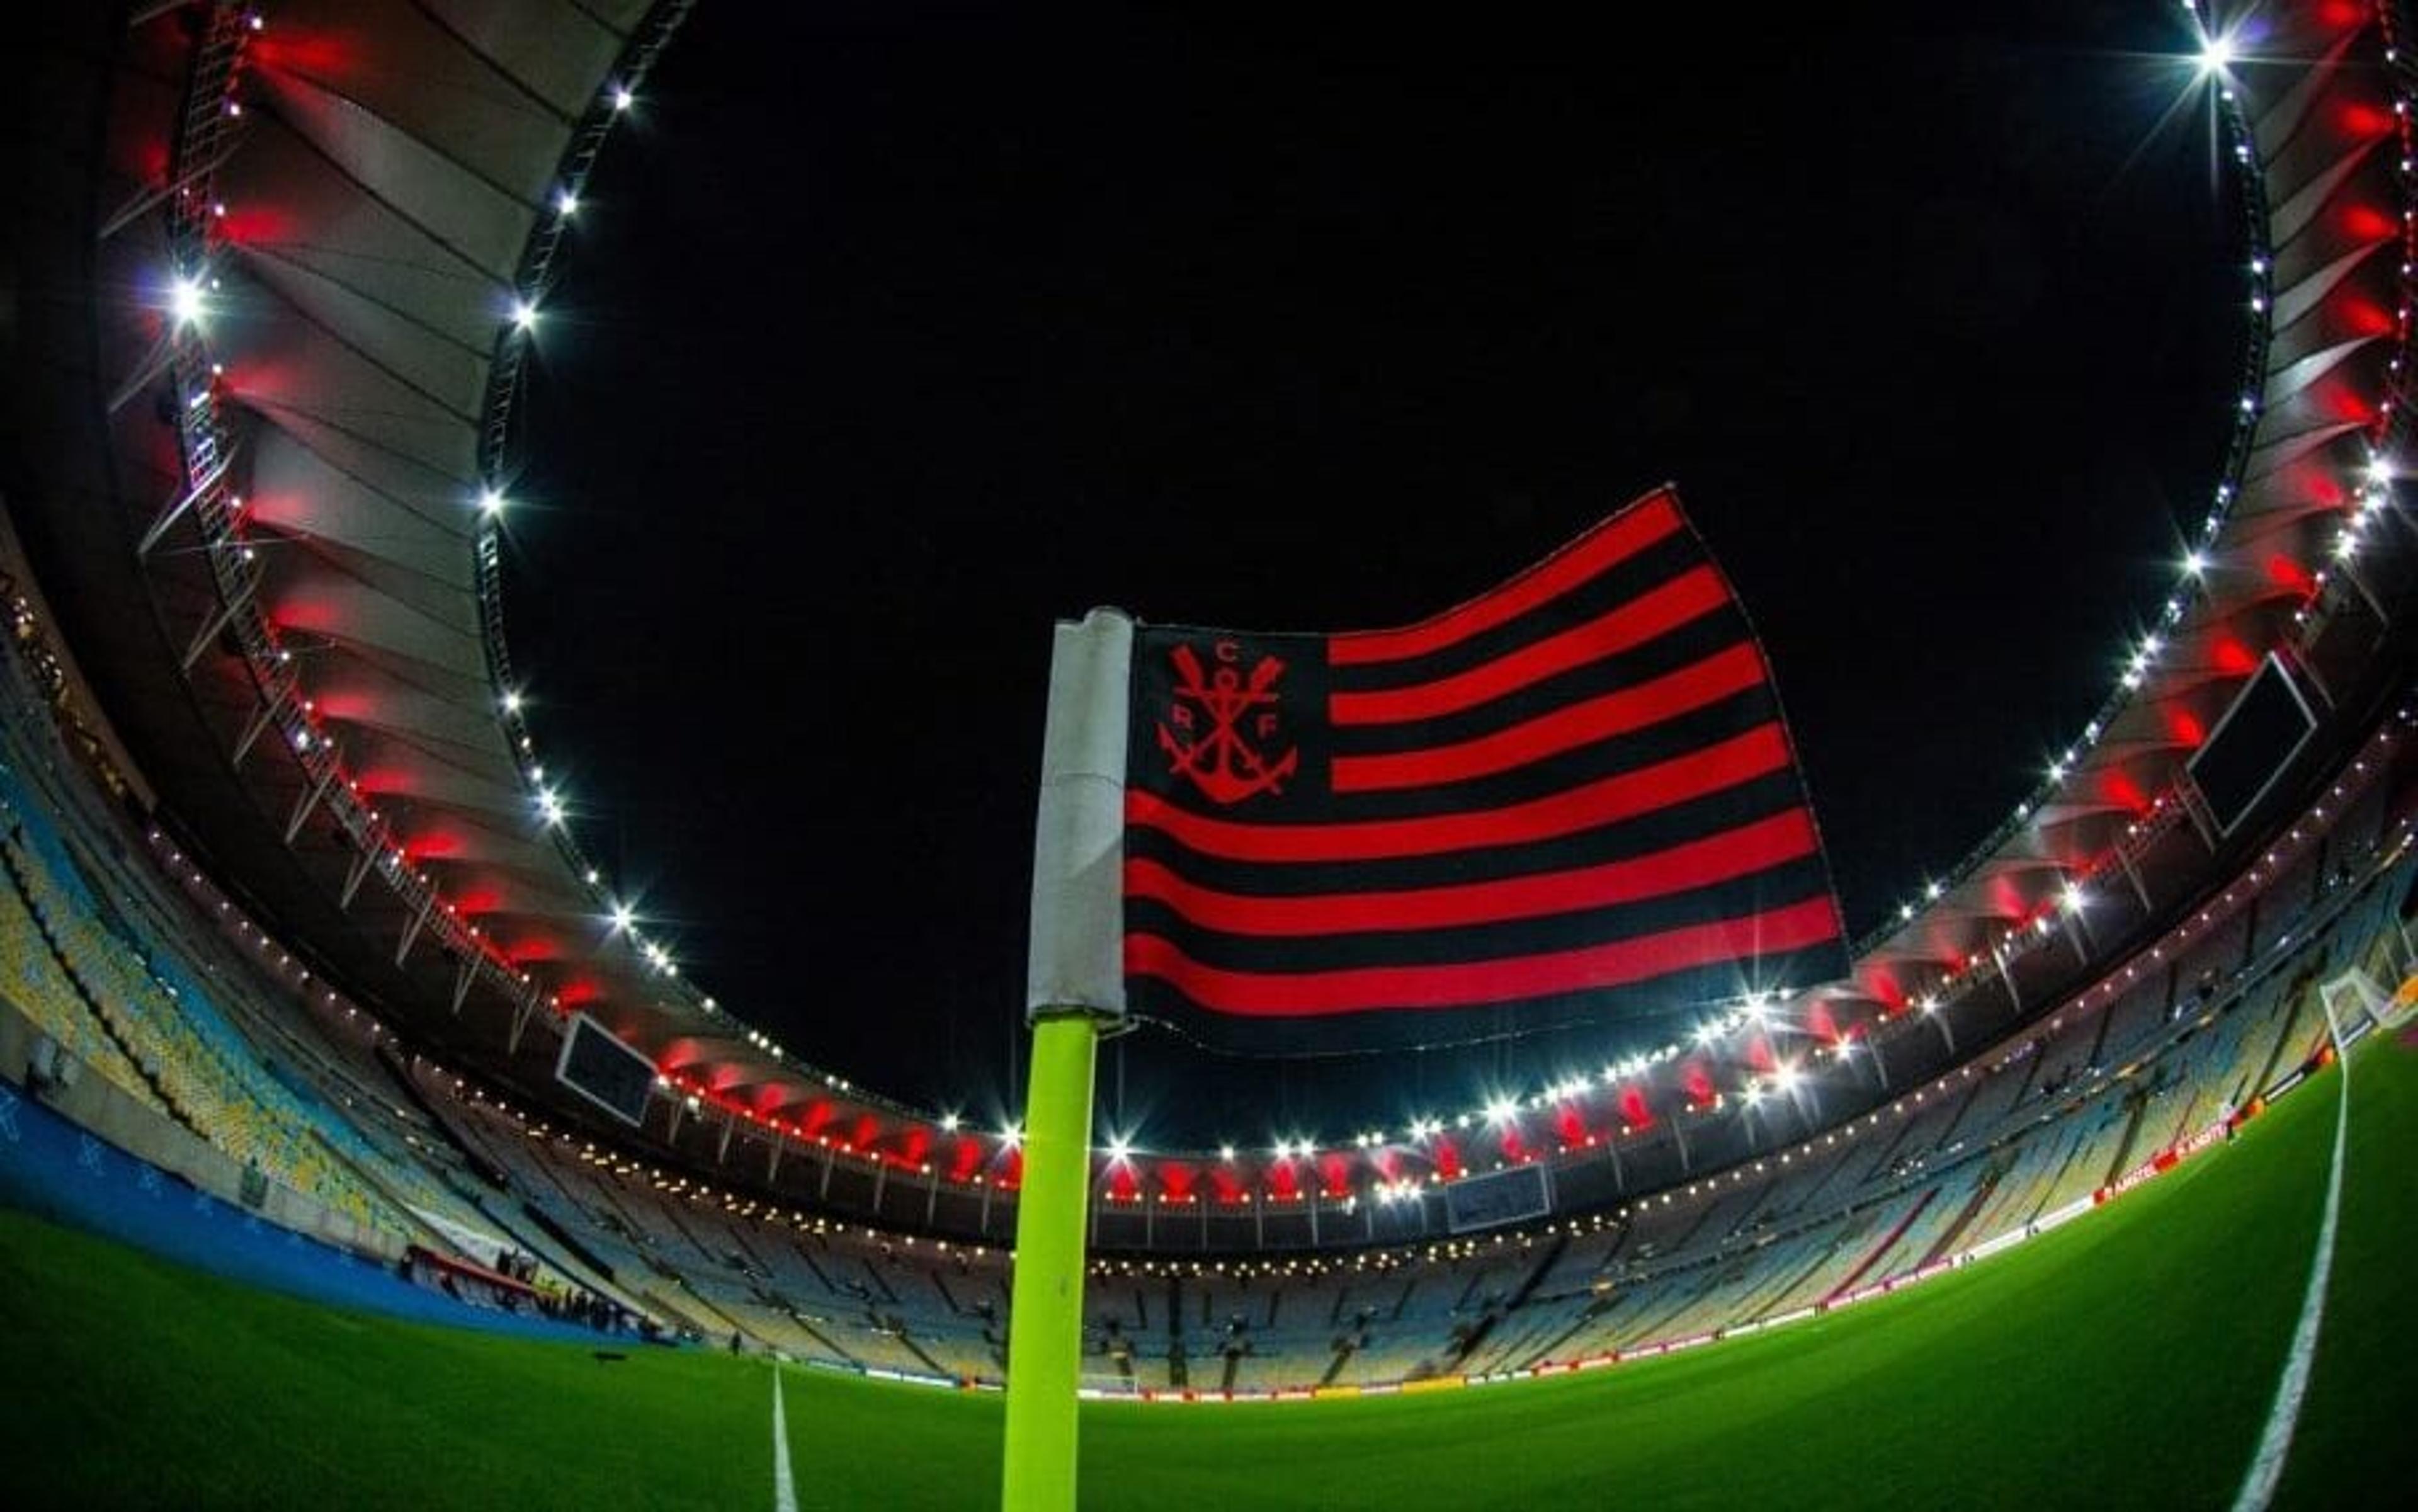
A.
x: 2122, y: 791
x: 967, y: 1159
x: 2365, y: 222
x: 2359, y: 118
x: 2285, y: 573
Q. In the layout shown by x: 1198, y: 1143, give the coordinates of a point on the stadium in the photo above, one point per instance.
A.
x: 363, y: 1141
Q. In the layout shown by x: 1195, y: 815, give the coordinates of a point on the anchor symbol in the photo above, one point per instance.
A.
x: 1222, y: 763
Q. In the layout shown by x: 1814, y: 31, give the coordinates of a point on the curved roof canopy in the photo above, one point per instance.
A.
x: 288, y: 280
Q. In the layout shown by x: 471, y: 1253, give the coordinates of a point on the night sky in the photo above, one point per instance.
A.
x: 884, y: 339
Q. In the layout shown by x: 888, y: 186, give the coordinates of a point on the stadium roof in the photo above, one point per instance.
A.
x: 305, y: 253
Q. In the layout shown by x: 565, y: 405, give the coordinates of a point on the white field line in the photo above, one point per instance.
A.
x: 2275, y: 1444
x: 784, y: 1491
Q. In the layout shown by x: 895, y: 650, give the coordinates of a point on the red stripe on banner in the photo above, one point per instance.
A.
x: 1475, y: 984
x: 1610, y: 544
x: 1607, y: 800
x: 1668, y: 696
x: 1719, y: 858
x: 1697, y: 591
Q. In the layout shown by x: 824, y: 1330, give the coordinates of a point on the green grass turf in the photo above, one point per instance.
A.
x: 2129, y: 1359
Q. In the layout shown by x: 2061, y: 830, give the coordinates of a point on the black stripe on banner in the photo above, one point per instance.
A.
x: 1669, y: 740
x: 1793, y: 881
x: 1629, y: 580
x: 1668, y: 1006
x: 1713, y: 632
x: 1774, y: 792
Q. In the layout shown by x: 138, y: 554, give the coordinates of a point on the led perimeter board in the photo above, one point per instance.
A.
x: 599, y: 1067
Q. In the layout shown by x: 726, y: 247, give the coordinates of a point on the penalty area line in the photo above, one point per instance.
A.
x: 785, y: 1489
x: 2275, y: 1444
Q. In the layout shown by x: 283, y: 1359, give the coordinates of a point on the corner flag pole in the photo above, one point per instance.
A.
x: 1074, y: 991
x: 1045, y: 1319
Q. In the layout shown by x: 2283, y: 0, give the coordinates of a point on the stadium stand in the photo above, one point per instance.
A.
x: 1999, y: 1145
x: 107, y: 950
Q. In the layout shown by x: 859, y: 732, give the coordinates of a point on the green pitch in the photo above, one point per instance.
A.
x: 2127, y: 1359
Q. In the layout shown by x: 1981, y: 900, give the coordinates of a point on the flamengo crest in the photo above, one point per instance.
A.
x: 1220, y: 724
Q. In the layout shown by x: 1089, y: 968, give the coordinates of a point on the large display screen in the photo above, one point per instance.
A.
x: 599, y: 1067
x: 2252, y: 745
x: 1502, y: 1197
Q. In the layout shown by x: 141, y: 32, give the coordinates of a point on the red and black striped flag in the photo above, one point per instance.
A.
x: 1573, y: 797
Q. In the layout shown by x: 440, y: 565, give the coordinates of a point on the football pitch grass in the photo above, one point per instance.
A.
x: 2127, y: 1359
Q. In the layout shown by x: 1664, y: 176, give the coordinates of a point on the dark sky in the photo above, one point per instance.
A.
x: 884, y: 339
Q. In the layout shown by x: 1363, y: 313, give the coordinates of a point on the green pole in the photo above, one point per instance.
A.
x: 1045, y: 1318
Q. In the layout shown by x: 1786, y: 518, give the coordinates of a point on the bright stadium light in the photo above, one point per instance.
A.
x: 2215, y: 53
x: 2195, y: 563
x: 623, y: 916
x: 622, y: 99
x: 1707, y: 1032
x: 566, y: 204
x: 1119, y: 1148
x: 524, y: 315
x: 1502, y: 1110
x: 491, y: 502
x: 1012, y: 1137
x: 1784, y: 1076
x: 949, y: 1124
x: 1226, y: 1153
x: 512, y: 702
x: 185, y: 301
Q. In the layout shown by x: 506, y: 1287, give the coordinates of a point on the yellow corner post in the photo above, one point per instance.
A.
x: 1045, y: 1320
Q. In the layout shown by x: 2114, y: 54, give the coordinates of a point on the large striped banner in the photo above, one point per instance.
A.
x: 1571, y: 797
